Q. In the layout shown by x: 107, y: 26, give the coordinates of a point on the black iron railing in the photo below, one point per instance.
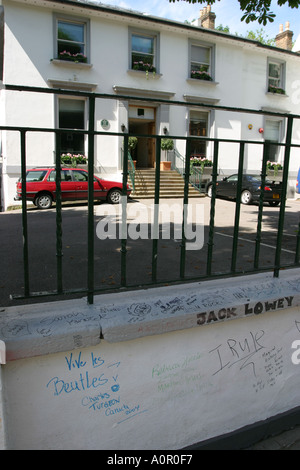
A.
x: 91, y: 290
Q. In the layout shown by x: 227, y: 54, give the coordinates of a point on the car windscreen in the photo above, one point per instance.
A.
x: 36, y: 175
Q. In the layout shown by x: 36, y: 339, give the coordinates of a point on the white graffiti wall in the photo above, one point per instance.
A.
x: 159, y: 392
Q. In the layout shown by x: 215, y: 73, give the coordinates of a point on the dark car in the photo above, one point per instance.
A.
x: 41, y: 187
x: 251, y: 189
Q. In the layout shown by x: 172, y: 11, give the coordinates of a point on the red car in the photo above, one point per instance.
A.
x: 41, y: 187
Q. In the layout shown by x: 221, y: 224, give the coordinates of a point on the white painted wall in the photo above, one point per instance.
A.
x: 177, y: 365
x: 240, y: 82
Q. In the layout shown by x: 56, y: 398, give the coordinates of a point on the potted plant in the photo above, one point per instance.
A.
x: 132, y: 143
x: 166, y: 145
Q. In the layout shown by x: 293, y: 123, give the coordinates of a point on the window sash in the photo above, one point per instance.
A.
x: 71, y: 37
x: 71, y: 115
x: 272, y: 133
x: 275, y: 74
x: 143, y: 49
x: 200, y: 59
x: 198, y: 127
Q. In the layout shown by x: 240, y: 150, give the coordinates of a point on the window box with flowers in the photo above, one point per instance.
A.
x: 144, y: 67
x: 74, y: 160
x: 78, y: 57
x: 274, y: 169
x: 203, y: 163
x: 66, y: 59
x: 201, y: 75
x: 276, y: 90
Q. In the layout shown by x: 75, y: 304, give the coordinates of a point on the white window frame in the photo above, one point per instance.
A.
x: 211, y: 49
x: 73, y: 20
x: 147, y: 34
x: 281, y: 79
x: 209, y: 124
x: 85, y: 114
x: 279, y: 151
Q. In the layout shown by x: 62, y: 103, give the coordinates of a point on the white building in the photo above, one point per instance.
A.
x: 40, y: 38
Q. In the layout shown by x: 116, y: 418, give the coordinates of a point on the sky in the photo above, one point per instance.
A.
x: 227, y: 12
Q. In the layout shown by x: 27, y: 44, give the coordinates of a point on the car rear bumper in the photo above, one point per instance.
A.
x: 268, y: 197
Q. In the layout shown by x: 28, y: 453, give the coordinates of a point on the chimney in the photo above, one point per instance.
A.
x: 207, y: 18
x: 284, y: 38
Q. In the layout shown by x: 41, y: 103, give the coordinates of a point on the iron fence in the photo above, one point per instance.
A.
x: 91, y: 289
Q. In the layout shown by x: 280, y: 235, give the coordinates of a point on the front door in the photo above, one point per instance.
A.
x: 141, y: 125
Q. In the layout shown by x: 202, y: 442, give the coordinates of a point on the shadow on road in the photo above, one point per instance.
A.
x: 139, y: 254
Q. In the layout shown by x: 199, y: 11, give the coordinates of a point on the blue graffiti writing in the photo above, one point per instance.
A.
x: 114, y: 411
x: 84, y: 382
x: 105, y: 404
x: 95, y: 382
x: 97, y: 361
x: 76, y: 362
x: 87, y: 401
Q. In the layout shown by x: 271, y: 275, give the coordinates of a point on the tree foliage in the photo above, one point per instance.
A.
x: 253, y: 10
x: 258, y: 35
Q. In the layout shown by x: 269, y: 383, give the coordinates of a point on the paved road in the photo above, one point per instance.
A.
x: 42, y: 244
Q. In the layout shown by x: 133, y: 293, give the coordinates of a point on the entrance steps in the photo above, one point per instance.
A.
x: 171, y: 185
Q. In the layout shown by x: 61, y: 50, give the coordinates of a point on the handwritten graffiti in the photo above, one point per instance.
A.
x: 238, y: 352
x: 96, y: 382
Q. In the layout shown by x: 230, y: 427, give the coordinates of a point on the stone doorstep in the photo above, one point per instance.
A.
x: 39, y: 329
x: 171, y: 185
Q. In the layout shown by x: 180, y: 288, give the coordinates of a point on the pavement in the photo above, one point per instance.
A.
x: 288, y: 440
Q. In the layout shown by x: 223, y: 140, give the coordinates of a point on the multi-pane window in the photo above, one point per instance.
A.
x: 276, y: 77
x: 199, y: 128
x: 71, y: 40
x: 272, y: 135
x: 71, y: 116
x: 144, y: 51
x: 200, y: 58
x: 201, y: 62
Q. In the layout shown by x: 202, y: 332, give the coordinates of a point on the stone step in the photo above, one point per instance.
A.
x: 171, y: 185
